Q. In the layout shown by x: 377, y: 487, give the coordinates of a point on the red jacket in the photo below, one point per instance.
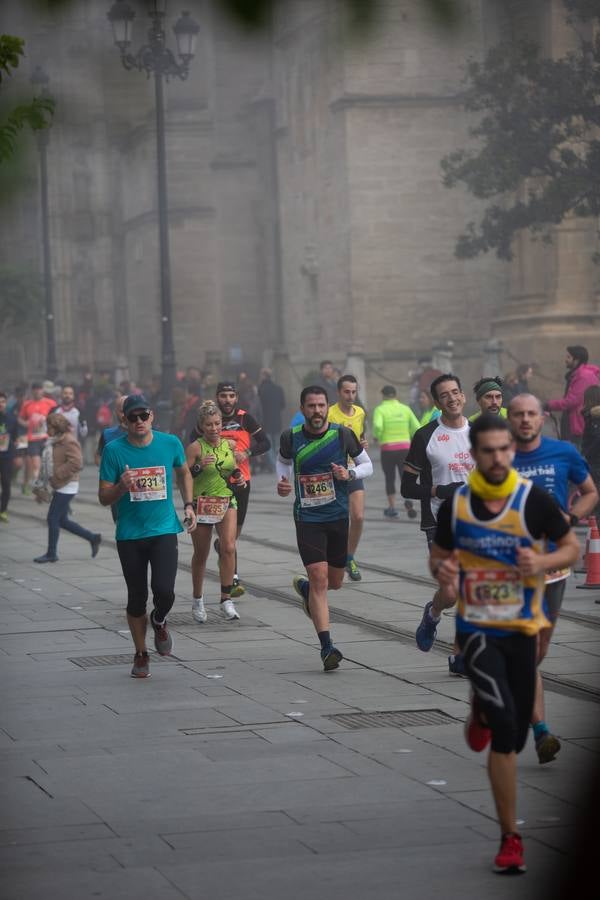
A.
x: 582, y: 378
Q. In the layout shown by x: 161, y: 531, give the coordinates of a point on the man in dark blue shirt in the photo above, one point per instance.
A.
x: 552, y: 465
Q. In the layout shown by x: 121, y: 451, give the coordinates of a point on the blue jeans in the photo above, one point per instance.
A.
x: 58, y: 517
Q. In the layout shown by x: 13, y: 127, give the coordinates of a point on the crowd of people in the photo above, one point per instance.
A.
x: 499, y: 500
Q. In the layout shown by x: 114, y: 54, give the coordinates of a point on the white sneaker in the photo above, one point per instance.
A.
x: 198, y: 611
x: 229, y: 610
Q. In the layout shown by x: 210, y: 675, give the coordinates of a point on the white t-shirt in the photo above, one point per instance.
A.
x: 449, y: 452
x: 441, y: 455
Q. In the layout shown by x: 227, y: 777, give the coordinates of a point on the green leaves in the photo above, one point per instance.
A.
x: 36, y: 114
x: 11, y: 49
x: 535, y: 151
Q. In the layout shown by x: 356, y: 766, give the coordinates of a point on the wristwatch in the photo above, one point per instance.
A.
x: 574, y: 520
x: 351, y: 475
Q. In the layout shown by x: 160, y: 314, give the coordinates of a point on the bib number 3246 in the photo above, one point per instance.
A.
x: 316, y: 490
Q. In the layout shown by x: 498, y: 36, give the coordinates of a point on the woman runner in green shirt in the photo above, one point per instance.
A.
x: 214, y: 470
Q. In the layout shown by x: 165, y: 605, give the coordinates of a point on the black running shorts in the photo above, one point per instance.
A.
x: 356, y: 485
x: 242, y: 495
x: 553, y: 598
x: 323, y: 542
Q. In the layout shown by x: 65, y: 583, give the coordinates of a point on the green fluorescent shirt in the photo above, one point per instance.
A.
x: 394, y: 422
x: 213, y: 480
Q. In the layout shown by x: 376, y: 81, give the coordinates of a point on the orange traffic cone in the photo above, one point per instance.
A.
x: 592, y: 559
x: 582, y: 567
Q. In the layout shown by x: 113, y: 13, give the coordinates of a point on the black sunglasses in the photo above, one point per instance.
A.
x: 134, y: 416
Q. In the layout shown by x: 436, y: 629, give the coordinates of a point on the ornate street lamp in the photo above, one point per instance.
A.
x: 155, y: 58
x: 40, y: 80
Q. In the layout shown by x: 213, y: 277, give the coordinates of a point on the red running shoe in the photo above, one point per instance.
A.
x: 477, y: 735
x: 510, y: 859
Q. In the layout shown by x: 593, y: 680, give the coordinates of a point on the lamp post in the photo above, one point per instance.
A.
x: 155, y: 58
x: 40, y: 80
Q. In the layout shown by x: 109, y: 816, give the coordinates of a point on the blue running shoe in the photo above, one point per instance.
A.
x: 456, y: 664
x: 427, y: 630
x: 331, y: 657
x: 301, y: 587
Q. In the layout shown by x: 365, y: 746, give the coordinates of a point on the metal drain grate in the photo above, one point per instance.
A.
x: 401, y: 718
x: 117, y: 659
x: 215, y: 620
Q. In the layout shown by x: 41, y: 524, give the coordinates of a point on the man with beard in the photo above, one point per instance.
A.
x: 313, y: 461
x: 488, y: 393
x: 438, y: 462
x: 68, y: 409
x: 551, y: 465
x: 579, y: 375
x: 246, y: 438
x: 490, y: 553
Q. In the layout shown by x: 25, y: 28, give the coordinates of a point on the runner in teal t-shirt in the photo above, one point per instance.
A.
x: 136, y: 473
x: 148, y: 509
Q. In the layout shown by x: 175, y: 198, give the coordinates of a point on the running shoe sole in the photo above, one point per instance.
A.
x: 143, y: 671
x: 426, y: 633
x: 231, y: 616
x: 477, y: 735
x: 546, y: 748
x: 332, y: 659
x: 296, y: 582
x: 354, y: 573
x: 164, y: 646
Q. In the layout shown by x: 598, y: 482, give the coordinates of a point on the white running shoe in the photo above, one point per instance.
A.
x: 229, y: 610
x: 198, y: 611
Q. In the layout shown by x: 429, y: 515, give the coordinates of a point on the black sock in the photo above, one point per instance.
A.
x: 325, y: 638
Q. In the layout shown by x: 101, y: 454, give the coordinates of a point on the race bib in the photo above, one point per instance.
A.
x: 38, y: 425
x: 149, y: 484
x: 316, y: 490
x: 4, y: 442
x: 556, y: 575
x: 492, y: 595
x: 211, y: 510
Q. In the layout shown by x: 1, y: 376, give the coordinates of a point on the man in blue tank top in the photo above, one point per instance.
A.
x: 313, y: 462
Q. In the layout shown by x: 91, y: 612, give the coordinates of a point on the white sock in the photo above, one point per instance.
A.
x: 236, y: 577
x: 432, y: 617
x: 197, y: 599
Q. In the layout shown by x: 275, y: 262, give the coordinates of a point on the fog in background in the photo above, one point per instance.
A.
x: 307, y: 214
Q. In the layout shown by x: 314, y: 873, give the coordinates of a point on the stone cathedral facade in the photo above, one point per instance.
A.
x: 308, y: 218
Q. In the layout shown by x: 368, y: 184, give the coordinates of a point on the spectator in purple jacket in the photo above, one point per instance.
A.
x: 579, y: 376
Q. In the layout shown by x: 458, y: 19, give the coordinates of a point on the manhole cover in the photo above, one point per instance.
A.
x: 117, y: 659
x: 393, y: 718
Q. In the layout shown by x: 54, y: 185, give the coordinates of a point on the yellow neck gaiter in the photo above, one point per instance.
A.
x: 487, y: 491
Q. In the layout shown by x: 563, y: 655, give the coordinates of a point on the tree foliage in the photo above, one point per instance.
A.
x: 37, y: 113
x: 20, y: 299
x: 537, y: 153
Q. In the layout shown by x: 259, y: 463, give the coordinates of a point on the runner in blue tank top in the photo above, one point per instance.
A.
x: 313, y: 462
